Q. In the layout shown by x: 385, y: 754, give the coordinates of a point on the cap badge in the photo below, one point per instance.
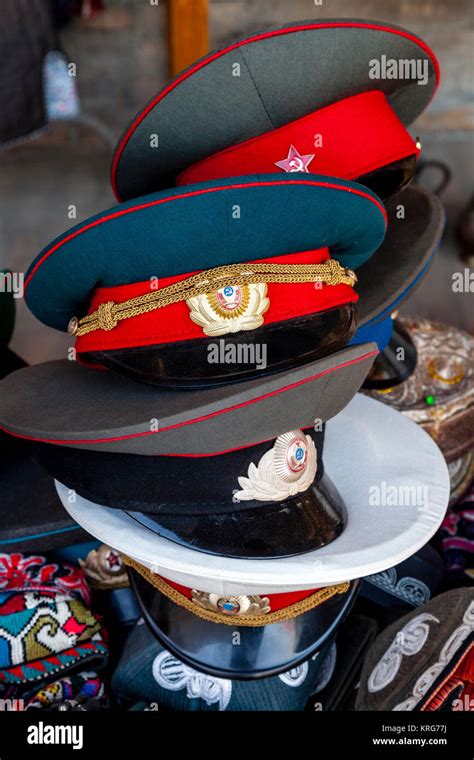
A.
x: 104, y: 568
x: 233, y: 606
x: 287, y: 469
x: 230, y: 309
x: 295, y: 162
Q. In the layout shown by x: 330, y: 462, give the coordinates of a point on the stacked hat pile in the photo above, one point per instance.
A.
x: 209, y: 426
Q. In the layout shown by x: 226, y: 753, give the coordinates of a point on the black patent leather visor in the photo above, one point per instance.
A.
x: 264, y: 651
x: 241, y: 356
x: 297, y: 525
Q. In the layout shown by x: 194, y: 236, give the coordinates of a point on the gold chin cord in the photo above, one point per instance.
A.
x: 109, y: 314
x: 286, y: 613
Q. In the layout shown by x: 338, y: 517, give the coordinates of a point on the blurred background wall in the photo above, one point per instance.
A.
x: 121, y: 56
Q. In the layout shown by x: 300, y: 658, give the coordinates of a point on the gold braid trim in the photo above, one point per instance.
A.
x: 109, y: 314
x: 304, y: 605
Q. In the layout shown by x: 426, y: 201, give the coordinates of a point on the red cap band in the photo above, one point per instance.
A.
x: 173, y: 323
x: 347, y: 139
x: 277, y: 601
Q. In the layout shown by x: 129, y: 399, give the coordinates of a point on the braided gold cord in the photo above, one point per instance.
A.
x: 108, y: 314
x: 304, y: 605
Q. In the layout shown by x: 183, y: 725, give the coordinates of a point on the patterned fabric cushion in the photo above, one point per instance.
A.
x: 46, y: 625
x: 26, y: 573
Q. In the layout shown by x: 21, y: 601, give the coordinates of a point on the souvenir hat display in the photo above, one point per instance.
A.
x: 306, y: 618
x: 225, y: 315
x: 375, y: 537
x: 424, y: 661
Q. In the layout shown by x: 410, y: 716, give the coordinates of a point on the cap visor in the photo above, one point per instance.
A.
x: 264, y: 651
x: 65, y: 404
x: 294, y: 526
x: 272, y: 348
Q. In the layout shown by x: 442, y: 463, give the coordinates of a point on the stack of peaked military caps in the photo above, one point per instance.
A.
x: 288, y: 605
x: 197, y: 505
x: 295, y: 101
x: 199, y: 489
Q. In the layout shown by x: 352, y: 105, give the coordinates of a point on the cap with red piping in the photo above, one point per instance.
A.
x: 150, y: 287
x: 288, y: 99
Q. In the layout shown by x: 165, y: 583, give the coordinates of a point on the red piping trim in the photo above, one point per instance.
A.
x: 139, y: 118
x: 141, y: 206
x: 204, y: 417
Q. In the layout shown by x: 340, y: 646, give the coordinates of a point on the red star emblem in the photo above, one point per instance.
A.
x: 113, y: 560
x: 295, y: 162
